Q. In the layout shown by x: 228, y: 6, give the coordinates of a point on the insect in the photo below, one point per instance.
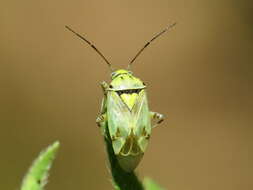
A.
x: 125, y: 111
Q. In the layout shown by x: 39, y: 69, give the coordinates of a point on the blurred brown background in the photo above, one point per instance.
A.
x: 199, y: 75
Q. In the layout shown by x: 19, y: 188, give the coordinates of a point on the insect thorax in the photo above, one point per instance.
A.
x: 126, y: 86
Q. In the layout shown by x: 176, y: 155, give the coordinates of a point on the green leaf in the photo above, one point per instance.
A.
x: 149, y: 184
x: 36, y: 177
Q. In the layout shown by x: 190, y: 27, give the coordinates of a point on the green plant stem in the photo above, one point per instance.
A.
x: 122, y: 180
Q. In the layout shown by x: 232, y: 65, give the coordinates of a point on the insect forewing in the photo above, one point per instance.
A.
x: 141, y: 117
x: 119, y: 120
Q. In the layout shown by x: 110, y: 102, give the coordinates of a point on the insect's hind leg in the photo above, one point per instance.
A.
x: 157, y: 117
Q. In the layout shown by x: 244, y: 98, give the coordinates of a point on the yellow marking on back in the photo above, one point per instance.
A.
x: 129, y: 99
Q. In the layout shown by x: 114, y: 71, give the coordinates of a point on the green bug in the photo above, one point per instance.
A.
x: 126, y: 113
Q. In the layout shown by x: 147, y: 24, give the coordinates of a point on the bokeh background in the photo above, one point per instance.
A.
x: 199, y: 75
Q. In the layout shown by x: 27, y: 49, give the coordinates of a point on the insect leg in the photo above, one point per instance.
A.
x: 102, y: 117
x: 104, y: 87
x: 157, y: 117
x: 101, y: 122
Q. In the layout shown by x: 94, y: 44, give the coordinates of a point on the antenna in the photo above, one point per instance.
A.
x: 147, y: 44
x: 93, y: 46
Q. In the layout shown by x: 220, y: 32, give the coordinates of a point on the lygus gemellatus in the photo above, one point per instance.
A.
x: 125, y: 112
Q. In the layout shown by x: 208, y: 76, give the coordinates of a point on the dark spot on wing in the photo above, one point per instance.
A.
x: 113, y: 138
x: 118, y: 133
x: 144, y: 133
x: 127, y: 146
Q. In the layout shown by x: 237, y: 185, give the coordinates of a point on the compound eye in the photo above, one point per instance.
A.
x: 110, y: 86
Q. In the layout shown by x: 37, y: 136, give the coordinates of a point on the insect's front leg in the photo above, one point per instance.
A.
x: 104, y: 87
x: 103, y: 108
x: 157, y: 117
x: 102, y: 117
